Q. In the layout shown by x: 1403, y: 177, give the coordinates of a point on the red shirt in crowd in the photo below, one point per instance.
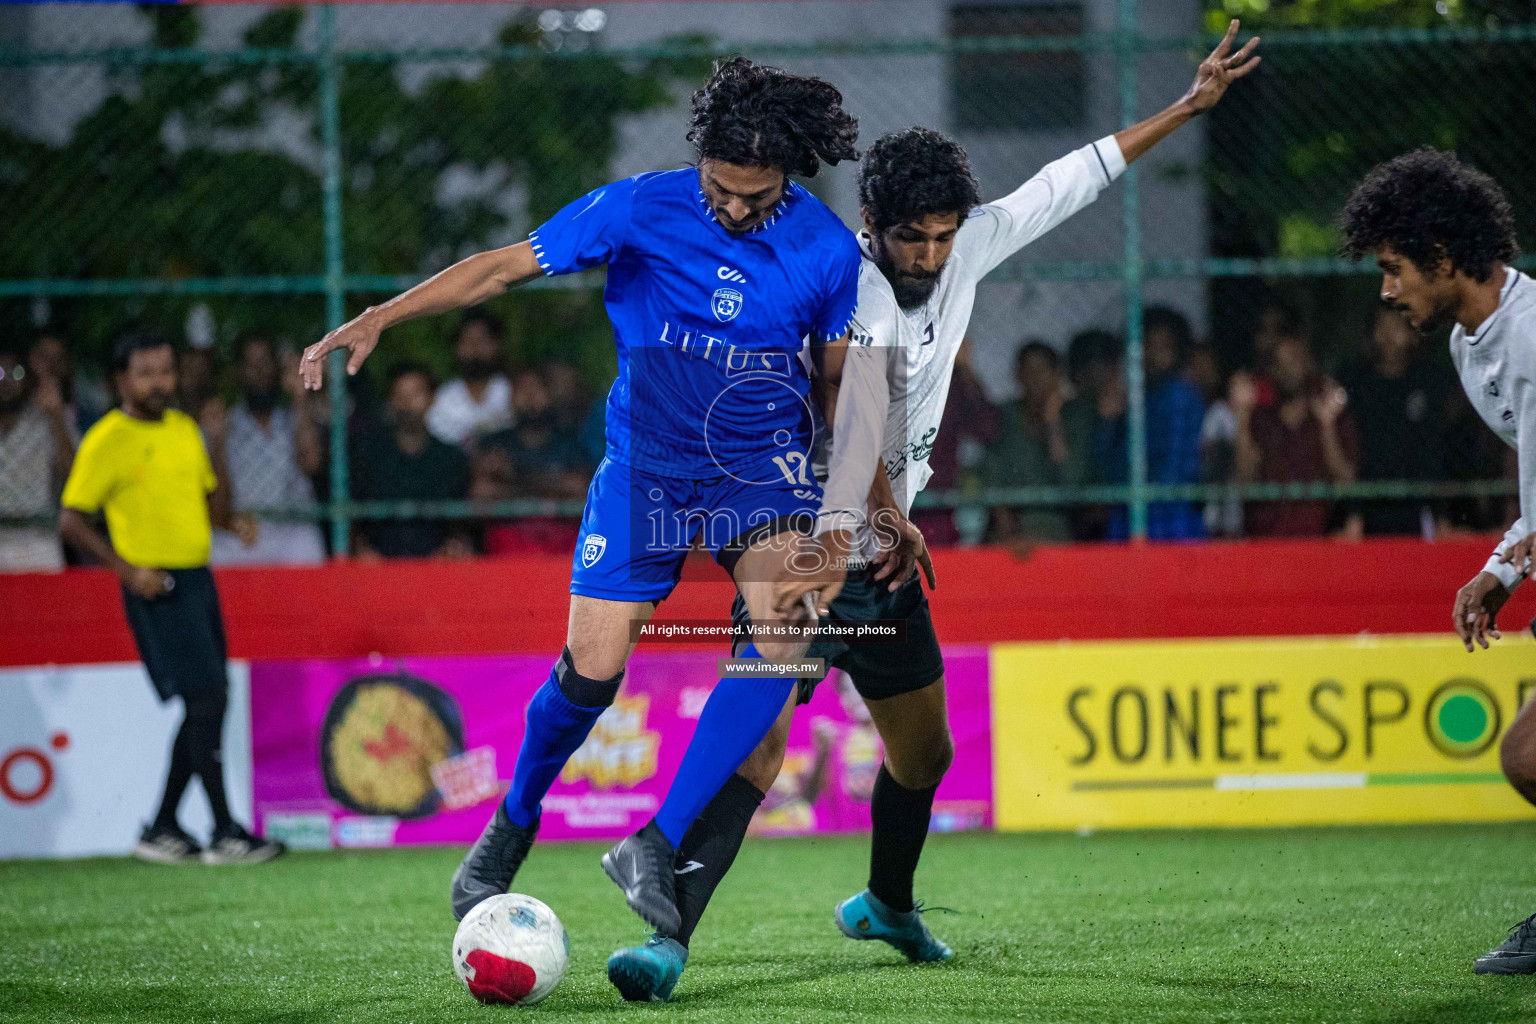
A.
x: 1294, y: 456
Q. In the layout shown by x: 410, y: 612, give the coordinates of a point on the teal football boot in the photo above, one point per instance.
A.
x: 648, y: 973
x: 865, y: 917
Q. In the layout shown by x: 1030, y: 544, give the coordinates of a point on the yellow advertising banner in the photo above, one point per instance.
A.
x: 1254, y: 732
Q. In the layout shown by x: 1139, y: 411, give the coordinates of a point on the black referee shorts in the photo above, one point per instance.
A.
x: 180, y: 636
x: 878, y: 669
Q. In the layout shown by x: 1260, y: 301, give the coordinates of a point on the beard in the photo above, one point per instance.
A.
x: 478, y: 370
x: 1438, y: 318
x: 261, y: 402
x: 911, y: 290
x: 154, y: 403
x: 407, y: 421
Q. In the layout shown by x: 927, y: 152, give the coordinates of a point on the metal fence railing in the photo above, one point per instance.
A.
x: 279, y: 178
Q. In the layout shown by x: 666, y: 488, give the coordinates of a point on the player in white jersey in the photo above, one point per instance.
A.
x: 927, y: 244
x: 1444, y: 237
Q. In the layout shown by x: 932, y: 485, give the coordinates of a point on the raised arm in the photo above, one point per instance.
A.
x: 1063, y: 187
x: 1215, y: 74
x: 466, y: 283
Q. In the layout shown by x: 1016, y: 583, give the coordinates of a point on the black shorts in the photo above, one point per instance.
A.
x: 879, y: 669
x: 180, y: 635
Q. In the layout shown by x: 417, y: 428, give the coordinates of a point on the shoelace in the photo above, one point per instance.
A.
x: 919, y: 907
x: 1524, y: 932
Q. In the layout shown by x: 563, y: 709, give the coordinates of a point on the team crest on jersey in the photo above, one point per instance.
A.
x: 726, y: 304
x: 593, y: 549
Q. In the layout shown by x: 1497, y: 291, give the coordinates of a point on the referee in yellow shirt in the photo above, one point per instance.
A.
x: 146, y: 466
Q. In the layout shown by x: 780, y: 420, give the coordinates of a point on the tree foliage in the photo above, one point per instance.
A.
x: 211, y: 168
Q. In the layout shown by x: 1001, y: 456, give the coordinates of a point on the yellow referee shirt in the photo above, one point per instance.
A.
x: 153, y: 479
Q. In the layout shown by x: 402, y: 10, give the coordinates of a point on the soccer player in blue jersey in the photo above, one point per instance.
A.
x: 716, y: 275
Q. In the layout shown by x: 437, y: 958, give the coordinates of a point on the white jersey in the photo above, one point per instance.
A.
x: 896, y: 376
x: 1497, y: 367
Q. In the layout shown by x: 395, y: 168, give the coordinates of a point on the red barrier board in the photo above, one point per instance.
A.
x: 985, y: 595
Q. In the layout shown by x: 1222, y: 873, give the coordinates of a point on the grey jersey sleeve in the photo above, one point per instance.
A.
x: 858, y: 421
x: 1523, y: 402
x: 997, y: 230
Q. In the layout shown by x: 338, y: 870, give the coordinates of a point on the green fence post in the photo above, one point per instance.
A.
x: 335, y: 296
x: 1126, y: 50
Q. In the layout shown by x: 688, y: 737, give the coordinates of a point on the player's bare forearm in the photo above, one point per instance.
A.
x: 1136, y: 140
x: 467, y: 283
x: 881, y: 494
x: 77, y: 531
x: 827, y: 360
x: 1212, y: 78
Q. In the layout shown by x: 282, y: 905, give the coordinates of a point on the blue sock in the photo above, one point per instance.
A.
x: 736, y: 717
x: 556, y: 727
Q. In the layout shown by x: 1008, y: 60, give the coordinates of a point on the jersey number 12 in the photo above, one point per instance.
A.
x: 798, y: 474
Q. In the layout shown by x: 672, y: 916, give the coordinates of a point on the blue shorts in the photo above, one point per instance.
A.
x: 638, y: 527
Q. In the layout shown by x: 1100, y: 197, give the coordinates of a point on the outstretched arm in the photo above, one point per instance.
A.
x: 1215, y: 74
x: 1063, y: 187
x: 466, y: 283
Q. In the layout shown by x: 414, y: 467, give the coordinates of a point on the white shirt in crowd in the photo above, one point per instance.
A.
x: 1497, y: 367
x: 28, y: 490
x: 264, y: 476
x: 455, y: 416
x: 890, y: 407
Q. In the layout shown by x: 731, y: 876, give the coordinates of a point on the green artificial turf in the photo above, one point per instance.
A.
x: 1377, y: 925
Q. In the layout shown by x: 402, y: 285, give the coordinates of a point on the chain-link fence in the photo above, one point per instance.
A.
x: 245, y: 176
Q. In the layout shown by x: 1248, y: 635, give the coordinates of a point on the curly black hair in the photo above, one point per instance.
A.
x: 911, y: 173
x: 1429, y: 206
x: 759, y: 116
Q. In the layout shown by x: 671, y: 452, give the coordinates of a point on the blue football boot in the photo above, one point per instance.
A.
x: 648, y: 973
x: 865, y: 917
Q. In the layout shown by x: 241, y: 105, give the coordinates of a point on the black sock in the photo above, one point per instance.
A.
x: 205, y: 720
x: 709, y: 847
x: 176, y: 779
x: 900, y: 824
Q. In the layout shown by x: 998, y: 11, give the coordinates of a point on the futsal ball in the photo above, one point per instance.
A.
x: 510, y: 949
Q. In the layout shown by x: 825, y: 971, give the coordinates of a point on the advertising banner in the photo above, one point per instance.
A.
x: 1255, y: 732
x: 83, y: 755
x: 370, y: 752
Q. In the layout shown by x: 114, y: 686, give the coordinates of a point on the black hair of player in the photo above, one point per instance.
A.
x: 753, y: 115
x: 908, y: 174
x: 1162, y: 318
x: 1430, y: 207
x: 493, y: 324
x: 1035, y: 347
x: 405, y: 369
x: 138, y: 339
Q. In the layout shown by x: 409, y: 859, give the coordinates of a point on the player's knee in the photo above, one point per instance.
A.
x: 762, y: 766
x: 924, y: 766
x: 781, y: 650
x: 1517, y: 757
x: 938, y: 757
x: 596, y: 690
x: 206, y: 709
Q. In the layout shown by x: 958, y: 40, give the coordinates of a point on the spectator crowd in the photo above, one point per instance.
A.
x: 495, y: 432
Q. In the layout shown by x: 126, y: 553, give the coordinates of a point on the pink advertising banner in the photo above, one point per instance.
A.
x: 374, y: 752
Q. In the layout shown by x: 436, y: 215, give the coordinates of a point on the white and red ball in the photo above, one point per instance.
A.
x: 510, y: 949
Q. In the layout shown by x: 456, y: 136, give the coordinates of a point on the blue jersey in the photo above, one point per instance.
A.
x: 709, y: 325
